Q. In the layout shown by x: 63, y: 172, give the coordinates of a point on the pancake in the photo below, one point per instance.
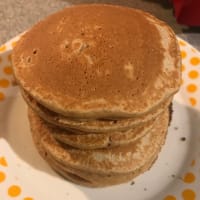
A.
x: 93, y: 126
x: 124, y: 159
x: 93, y: 179
x: 106, y: 140
x: 89, y: 66
x: 94, y: 140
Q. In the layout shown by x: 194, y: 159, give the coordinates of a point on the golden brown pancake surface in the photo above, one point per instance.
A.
x: 98, y: 60
x: 122, y: 159
x: 94, y: 125
x: 86, y: 140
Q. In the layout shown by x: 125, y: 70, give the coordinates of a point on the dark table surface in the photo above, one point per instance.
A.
x: 18, y: 15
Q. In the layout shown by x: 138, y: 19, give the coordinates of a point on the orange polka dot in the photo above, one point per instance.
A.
x: 28, y: 198
x: 183, y: 54
x: 189, y: 178
x: 2, y: 48
x: 193, y: 101
x: 2, y: 96
x: 195, y: 60
x: 191, y: 88
x: 193, y: 163
x: 8, y: 70
x: 2, y: 176
x: 9, y: 57
x: 181, y: 43
x: 183, y: 68
x: 14, y: 191
x: 170, y: 197
x: 193, y: 74
x: 4, y: 83
x: 3, y: 161
x: 14, y: 43
x: 188, y: 194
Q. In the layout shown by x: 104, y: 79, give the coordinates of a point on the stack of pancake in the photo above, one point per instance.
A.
x: 98, y: 81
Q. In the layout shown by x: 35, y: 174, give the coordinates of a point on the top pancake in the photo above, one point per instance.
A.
x: 98, y: 60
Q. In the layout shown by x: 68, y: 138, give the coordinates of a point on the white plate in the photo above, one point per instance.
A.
x: 175, y: 175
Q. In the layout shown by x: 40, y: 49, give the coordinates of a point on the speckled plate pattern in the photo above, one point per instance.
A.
x: 175, y: 175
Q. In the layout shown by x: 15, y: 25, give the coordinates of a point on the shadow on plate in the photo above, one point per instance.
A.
x: 186, y: 132
x: 15, y: 130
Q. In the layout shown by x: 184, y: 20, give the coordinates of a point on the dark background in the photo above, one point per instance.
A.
x: 18, y: 15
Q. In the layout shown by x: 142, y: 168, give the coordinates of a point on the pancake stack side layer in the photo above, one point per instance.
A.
x: 99, y: 81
